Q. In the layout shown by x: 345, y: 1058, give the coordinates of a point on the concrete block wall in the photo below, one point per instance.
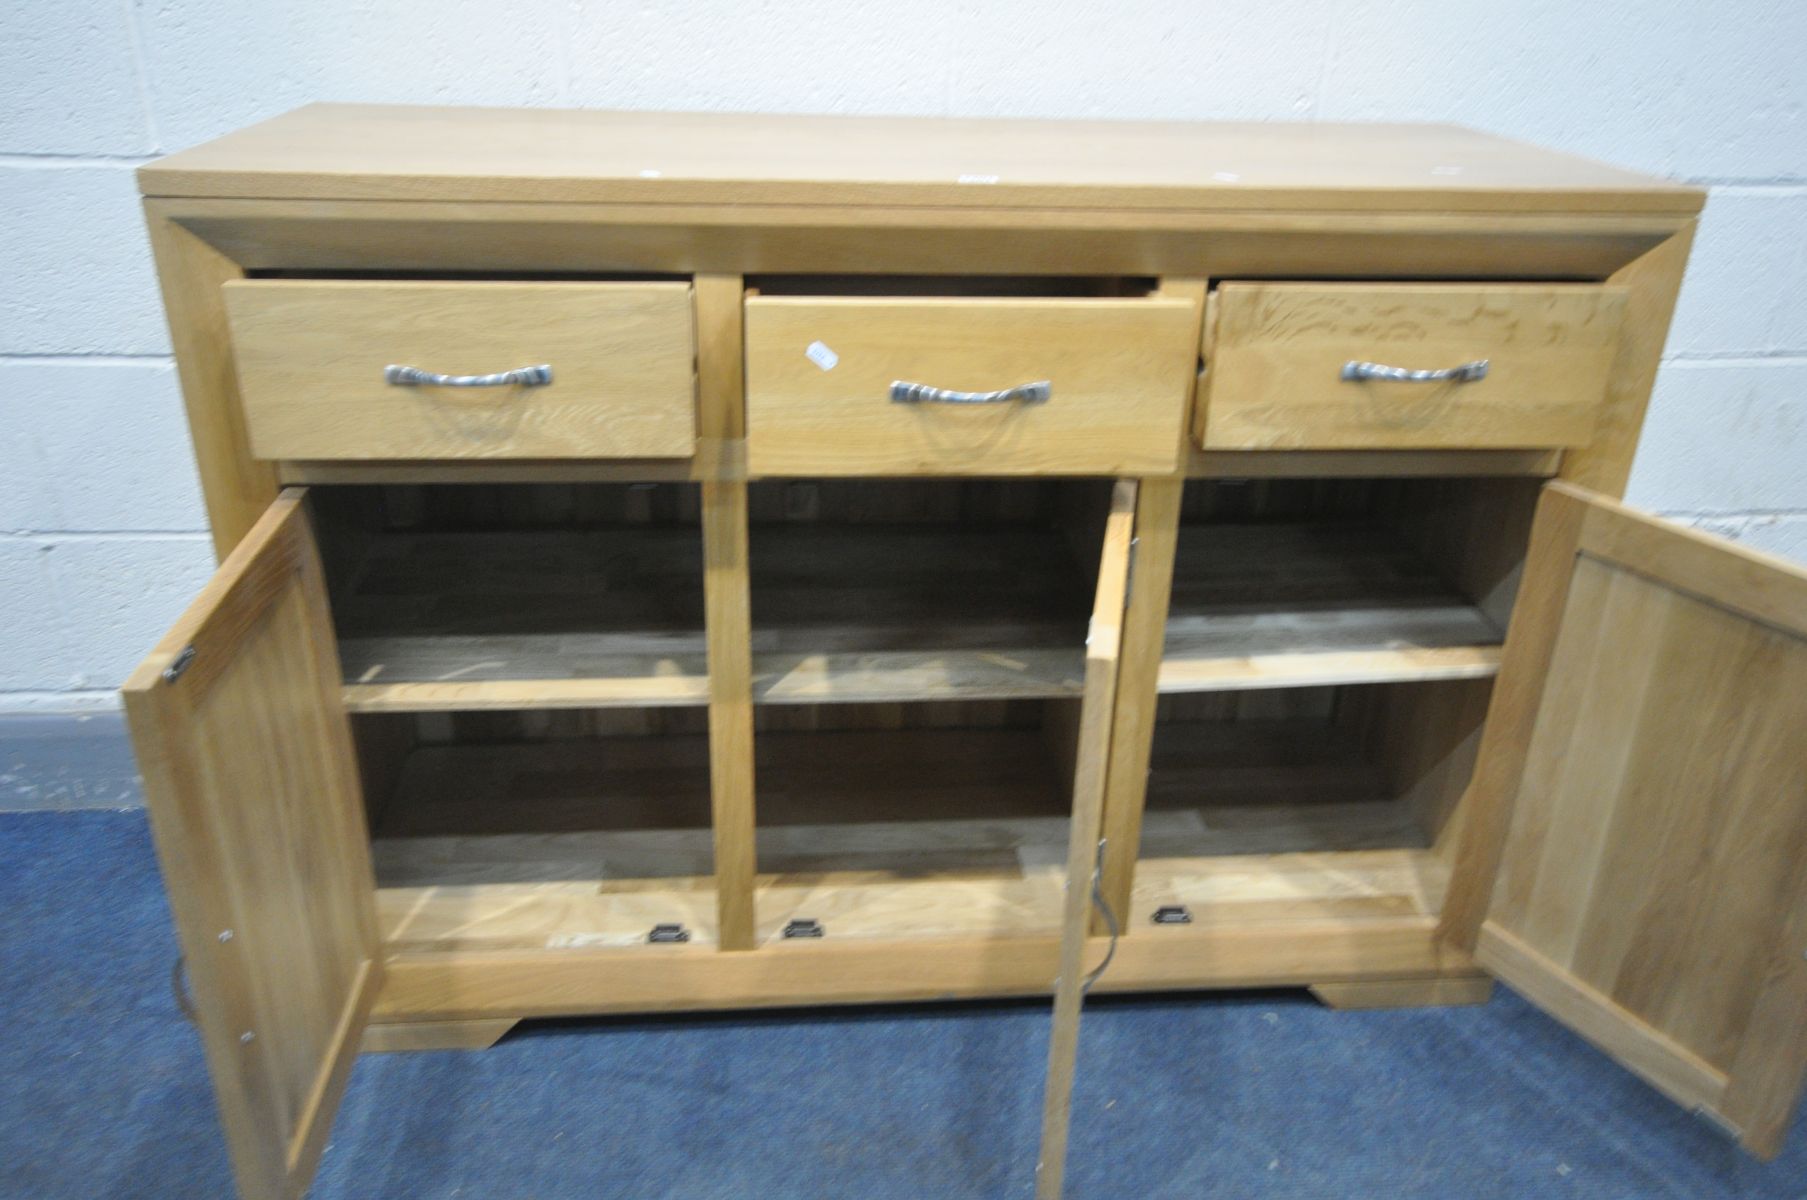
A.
x: 100, y: 522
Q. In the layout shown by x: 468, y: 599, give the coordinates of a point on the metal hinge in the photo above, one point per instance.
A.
x: 184, y: 657
x: 672, y: 932
x: 804, y: 927
x: 1173, y: 914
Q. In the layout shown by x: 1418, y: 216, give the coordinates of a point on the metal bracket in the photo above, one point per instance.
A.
x: 804, y: 927
x: 183, y: 659
x: 1173, y: 914
x: 666, y: 933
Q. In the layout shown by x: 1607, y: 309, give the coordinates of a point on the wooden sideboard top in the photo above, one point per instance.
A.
x: 392, y: 152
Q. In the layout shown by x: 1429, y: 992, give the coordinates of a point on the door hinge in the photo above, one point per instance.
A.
x: 183, y: 658
x: 669, y: 932
x: 804, y: 927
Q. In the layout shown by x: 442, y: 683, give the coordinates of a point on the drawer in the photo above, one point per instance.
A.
x: 313, y: 359
x: 1279, y: 359
x: 821, y: 373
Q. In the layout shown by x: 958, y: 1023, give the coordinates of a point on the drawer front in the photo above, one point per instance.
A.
x: 820, y: 397
x: 1277, y: 353
x: 312, y: 358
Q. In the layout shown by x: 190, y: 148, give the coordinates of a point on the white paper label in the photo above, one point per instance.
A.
x: 821, y: 355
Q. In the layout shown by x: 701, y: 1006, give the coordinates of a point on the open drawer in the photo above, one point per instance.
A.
x: 460, y: 369
x: 1404, y: 366
x: 1632, y: 867
x: 967, y: 385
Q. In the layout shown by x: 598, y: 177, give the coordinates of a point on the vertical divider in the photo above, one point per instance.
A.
x: 721, y: 422
x: 1102, y: 654
x: 727, y: 607
x: 1144, y: 640
x: 729, y: 631
x: 1138, y: 691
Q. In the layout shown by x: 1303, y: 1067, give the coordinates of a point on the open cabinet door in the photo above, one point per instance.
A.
x: 1637, y: 862
x: 1103, y: 660
x: 252, y: 785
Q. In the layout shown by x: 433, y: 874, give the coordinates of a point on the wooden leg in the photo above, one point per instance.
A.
x: 435, y: 1035
x: 1405, y: 993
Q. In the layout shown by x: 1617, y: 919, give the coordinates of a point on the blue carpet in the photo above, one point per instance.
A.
x: 103, y: 1092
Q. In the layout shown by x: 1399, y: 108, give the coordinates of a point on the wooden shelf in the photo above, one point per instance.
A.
x: 1292, y: 605
x: 614, y: 618
x: 884, y: 834
x: 596, y: 618
x: 846, y: 614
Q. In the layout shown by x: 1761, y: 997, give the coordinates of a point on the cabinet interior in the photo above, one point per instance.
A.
x: 918, y: 655
x: 464, y: 584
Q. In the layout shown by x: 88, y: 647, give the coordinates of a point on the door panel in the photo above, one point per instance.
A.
x: 1653, y: 825
x: 251, y: 781
x: 1103, y: 663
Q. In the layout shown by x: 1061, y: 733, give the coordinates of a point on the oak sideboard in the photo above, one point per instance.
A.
x: 678, y: 561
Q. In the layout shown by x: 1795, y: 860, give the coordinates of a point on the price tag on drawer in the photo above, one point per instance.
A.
x: 822, y: 356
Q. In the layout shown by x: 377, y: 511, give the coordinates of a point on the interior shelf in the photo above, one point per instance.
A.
x: 596, y: 618
x: 1280, y: 604
x: 614, y: 618
x: 850, y: 614
x: 876, y: 834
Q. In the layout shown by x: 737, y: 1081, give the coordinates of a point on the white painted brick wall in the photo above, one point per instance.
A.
x: 100, y: 520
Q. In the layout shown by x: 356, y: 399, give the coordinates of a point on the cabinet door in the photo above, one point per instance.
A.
x: 1103, y: 665
x: 1641, y: 808
x: 254, y: 800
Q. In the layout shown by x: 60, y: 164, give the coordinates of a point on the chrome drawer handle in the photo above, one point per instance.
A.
x: 538, y: 376
x: 921, y: 393
x: 1356, y: 372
